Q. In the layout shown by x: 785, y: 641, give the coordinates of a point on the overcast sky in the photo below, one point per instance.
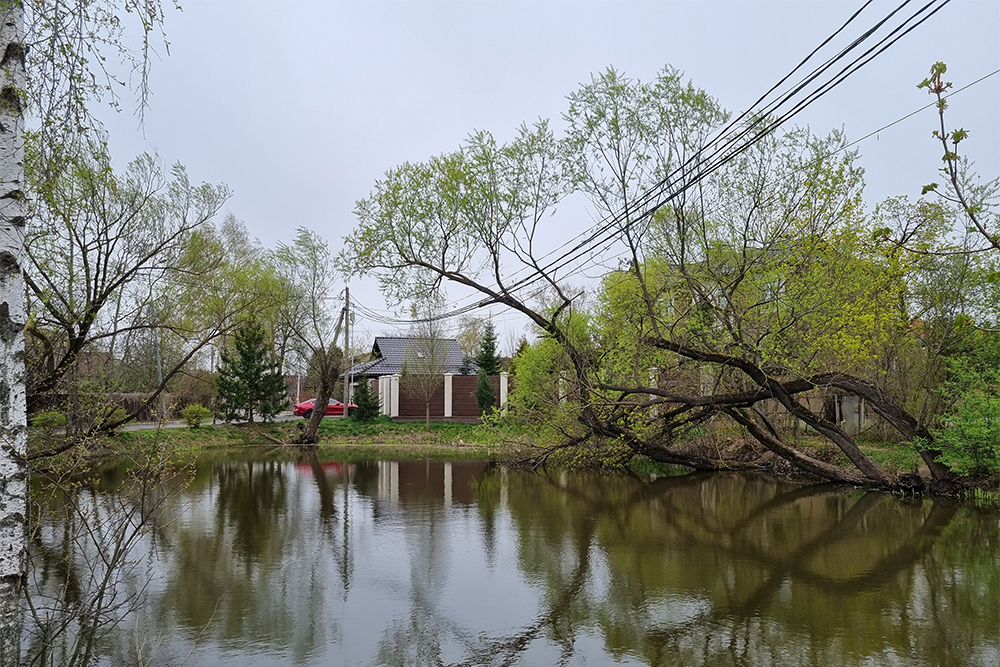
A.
x: 300, y: 106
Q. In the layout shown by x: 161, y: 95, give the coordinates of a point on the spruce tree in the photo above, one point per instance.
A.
x: 488, y: 363
x: 368, y: 408
x: 249, y: 381
x: 487, y: 359
x: 485, y: 393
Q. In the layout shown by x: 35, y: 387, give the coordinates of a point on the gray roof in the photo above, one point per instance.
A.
x: 389, y: 354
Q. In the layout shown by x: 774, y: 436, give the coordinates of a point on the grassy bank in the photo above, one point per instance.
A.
x: 343, y: 438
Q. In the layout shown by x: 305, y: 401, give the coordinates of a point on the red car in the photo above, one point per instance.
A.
x: 334, y: 407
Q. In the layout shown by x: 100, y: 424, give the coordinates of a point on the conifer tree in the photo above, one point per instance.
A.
x: 250, y: 382
x: 368, y: 408
x: 487, y: 359
x: 488, y: 363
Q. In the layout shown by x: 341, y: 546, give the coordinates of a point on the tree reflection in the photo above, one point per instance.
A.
x: 717, y: 569
x: 281, y: 559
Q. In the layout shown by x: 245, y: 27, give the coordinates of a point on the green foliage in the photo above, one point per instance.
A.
x: 48, y: 420
x: 969, y: 435
x: 250, y: 382
x: 368, y: 409
x: 487, y: 360
x: 195, y: 414
x: 485, y: 394
x: 970, y: 439
x: 606, y: 454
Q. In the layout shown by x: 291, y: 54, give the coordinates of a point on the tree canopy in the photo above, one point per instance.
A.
x: 752, y: 294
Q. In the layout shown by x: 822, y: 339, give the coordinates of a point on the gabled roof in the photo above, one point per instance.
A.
x: 389, y: 354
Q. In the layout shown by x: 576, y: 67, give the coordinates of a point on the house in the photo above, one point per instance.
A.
x: 390, y: 354
x: 453, y: 395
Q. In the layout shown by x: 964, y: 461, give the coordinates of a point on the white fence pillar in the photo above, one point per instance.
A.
x: 384, y: 397
x: 394, y: 396
x: 447, y: 394
x: 503, y: 391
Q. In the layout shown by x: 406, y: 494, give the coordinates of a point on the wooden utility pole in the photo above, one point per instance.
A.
x: 347, y: 348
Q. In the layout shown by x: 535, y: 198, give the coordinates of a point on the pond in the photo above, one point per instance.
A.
x: 262, y: 562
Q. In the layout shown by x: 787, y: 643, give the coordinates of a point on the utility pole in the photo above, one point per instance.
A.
x: 347, y: 348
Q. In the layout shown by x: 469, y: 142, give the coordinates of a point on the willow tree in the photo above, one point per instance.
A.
x: 105, y: 251
x: 307, y: 270
x: 742, y: 280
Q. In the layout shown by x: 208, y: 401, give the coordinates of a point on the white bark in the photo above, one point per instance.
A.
x: 13, y: 429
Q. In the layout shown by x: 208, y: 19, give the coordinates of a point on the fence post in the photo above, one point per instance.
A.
x: 394, y: 396
x: 447, y: 394
x: 383, y: 394
x: 503, y: 391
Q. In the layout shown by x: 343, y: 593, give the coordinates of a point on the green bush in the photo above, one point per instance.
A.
x: 969, y: 435
x: 368, y: 406
x: 49, y: 420
x: 195, y: 414
x: 970, y: 439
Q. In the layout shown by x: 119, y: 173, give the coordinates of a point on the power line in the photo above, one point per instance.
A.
x: 729, y: 143
x: 668, y: 189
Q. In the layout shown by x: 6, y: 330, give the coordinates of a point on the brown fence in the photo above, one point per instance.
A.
x: 464, y: 406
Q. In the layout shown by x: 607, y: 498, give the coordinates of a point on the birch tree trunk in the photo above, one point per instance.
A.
x: 13, y: 427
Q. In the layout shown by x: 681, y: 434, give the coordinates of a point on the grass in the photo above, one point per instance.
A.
x: 343, y: 439
x: 893, y: 458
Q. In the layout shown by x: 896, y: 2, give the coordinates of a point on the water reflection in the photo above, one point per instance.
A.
x: 430, y: 563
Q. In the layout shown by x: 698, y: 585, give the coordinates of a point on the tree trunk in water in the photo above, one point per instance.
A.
x: 13, y: 420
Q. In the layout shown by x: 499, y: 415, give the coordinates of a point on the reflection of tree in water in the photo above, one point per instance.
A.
x: 243, y: 576
x: 711, y: 569
x: 252, y: 496
x: 417, y: 640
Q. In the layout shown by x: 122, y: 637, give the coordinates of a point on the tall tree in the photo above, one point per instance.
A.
x: 307, y: 269
x: 487, y: 364
x: 250, y: 381
x: 757, y: 285
x: 61, y: 80
x: 101, y: 254
x: 426, y: 356
x: 13, y: 419
x: 487, y: 359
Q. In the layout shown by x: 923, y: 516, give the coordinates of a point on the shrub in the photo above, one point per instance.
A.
x: 368, y: 406
x: 195, y: 414
x: 969, y: 433
x: 49, y: 420
x: 970, y: 439
x: 485, y: 394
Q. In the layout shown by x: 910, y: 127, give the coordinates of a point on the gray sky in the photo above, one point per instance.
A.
x: 300, y: 106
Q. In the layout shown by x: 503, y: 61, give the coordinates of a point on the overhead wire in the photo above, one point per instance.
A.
x: 648, y: 204
x: 605, y: 234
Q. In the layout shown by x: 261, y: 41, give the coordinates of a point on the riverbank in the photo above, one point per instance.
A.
x: 347, y: 440
x: 382, y: 438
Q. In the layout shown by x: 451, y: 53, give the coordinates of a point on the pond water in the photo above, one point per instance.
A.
x: 258, y: 562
